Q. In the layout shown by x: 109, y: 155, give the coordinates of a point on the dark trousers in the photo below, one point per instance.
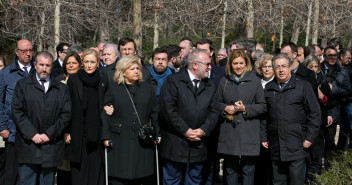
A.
x: 263, y: 168
x: 11, y: 173
x: 150, y: 180
x: 90, y: 171
x: 29, y: 173
x: 235, y: 166
x: 63, y: 177
x: 345, y: 130
x: 291, y: 172
x: 177, y: 173
x: 2, y: 165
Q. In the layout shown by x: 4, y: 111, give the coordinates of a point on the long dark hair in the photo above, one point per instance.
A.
x: 71, y: 54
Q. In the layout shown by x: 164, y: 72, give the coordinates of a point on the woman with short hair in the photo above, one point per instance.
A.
x: 130, y: 160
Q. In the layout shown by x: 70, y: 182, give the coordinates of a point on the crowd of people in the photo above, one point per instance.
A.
x: 271, y: 117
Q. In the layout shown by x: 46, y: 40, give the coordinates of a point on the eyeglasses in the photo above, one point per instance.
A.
x: 282, y: 66
x: 25, y: 51
x: 206, y: 64
x: 331, y: 55
x: 267, y: 67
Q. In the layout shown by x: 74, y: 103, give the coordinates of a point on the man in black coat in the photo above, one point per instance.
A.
x: 292, y: 124
x: 300, y: 70
x: 338, y: 79
x: 61, y: 50
x: 41, y: 109
x: 190, y: 108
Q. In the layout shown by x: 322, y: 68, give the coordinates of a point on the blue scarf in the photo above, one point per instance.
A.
x: 159, y: 78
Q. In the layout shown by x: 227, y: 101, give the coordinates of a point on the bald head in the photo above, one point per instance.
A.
x: 24, y: 51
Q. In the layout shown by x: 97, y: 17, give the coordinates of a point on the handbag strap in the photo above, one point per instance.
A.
x: 134, y: 107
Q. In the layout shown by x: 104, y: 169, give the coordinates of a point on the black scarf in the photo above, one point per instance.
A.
x: 91, y: 122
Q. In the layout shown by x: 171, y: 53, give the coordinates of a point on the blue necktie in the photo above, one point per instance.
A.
x: 42, y: 81
x: 25, y: 71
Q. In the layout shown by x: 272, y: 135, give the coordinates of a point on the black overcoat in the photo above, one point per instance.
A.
x: 128, y: 158
x: 34, y: 111
x: 242, y: 135
x: 182, y: 109
x: 74, y: 149
x: 293, y: 115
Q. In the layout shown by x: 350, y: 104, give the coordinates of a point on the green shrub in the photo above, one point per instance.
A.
x: 340, y: 171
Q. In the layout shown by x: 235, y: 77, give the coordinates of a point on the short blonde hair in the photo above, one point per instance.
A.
x: 90, y: 52
x: 261, y: 62
x: 235, y: 54
x: 123, y: 64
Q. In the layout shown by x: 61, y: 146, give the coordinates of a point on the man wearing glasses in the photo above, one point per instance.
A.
x: 189, y: 106
x: 292, y: 122
x: 20, y: 67
x: 338, y: 80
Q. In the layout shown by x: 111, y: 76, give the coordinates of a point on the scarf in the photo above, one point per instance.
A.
x: 91, y: 119
x: 159, y: 78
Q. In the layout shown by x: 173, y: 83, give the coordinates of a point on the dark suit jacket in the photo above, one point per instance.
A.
x: 182, y: 108
x: 308, y: 75
x: 57, y: 68
x: 216, y: 73
x: 34, y: 111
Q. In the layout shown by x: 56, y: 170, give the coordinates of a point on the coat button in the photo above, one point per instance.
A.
x: 132, y: 140
x: 134, y: 122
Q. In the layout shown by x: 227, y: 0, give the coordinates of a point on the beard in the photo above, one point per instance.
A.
x: 160, y: 69
x: 43, y: 75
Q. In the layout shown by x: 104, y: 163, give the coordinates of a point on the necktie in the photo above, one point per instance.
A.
x: 25, y: 71
x: 195, y: 86
x: 281, y: 85
x: 42, y: 81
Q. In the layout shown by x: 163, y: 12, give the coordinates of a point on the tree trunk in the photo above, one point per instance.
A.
x: 349, y: 43
x: 57, y: 23
x: 315, y: 22
x: 223, y: 26
x: 156, y: 25
x: 241, y: 29
x: 308, y: 23
x: 137, y: 29
x: 41, y: 33
x: 296, y: 30
x: 324, y: 43
x: 274, y: 42
x: 250, y: 19
x: 282, y: 25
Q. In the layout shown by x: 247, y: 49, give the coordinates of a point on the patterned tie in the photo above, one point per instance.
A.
x: 25, y: 71
x: 42, y: 81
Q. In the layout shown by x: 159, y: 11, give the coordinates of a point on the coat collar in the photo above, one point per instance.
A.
x: 274, y: 85
x: 33, y: 80
x: 184, y: 77
x: 15, y: 67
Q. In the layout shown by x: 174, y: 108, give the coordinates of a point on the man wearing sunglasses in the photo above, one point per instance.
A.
x: 20, y: 67
x: 338, y: 79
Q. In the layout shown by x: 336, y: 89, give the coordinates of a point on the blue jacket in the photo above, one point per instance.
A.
x: 8, y: 79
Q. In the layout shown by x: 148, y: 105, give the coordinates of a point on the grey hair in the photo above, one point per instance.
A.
x: 45, y: 55
x: 194, y: 56
x: 258, y: 54
x: 282, y: 55
x: 224, y: 50
x: 116, y: 51
x: 75, y: 48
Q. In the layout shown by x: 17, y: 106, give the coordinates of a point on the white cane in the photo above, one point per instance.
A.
x: 106, y: 166
x: 157, y: 163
